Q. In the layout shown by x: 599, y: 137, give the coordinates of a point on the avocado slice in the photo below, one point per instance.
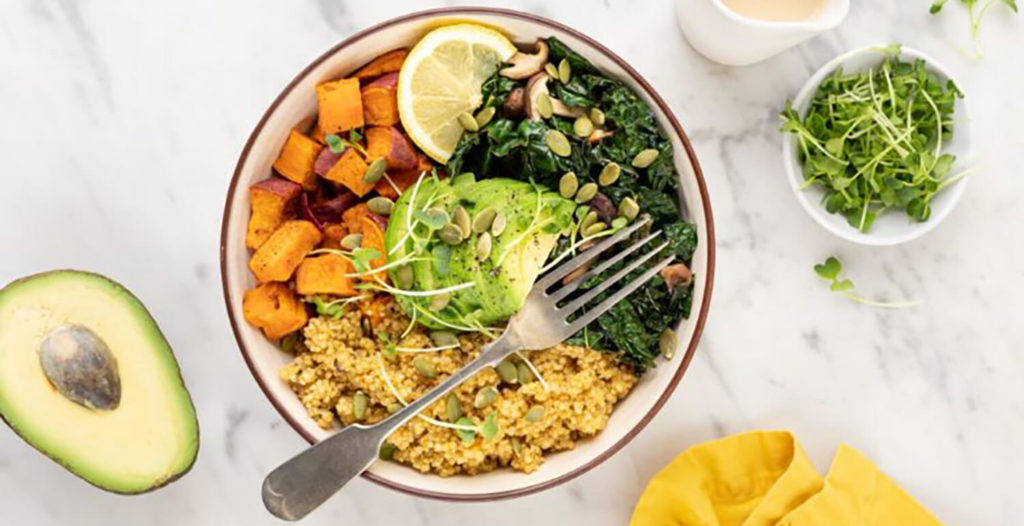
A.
x: 534, y: 217
x: 87, y: 378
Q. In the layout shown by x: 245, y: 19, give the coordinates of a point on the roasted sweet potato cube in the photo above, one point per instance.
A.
x: 325, y: 161
x: 389, y: 62
x: 278, y: 257
x: 297, y: 159
x: 333, y: 234
x: 403, y: 179
x: 349, y: 171
x: 274, y: 308
x: 380, y: 101
x: 389, y: 143
x: 350, y: 219
x: 272, y: 202
x: 325, y: 275
x: 373, y: 238
x: 340, y: 106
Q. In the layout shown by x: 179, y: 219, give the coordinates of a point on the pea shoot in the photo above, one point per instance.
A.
x: 873, y: 139
x: 830, y: 271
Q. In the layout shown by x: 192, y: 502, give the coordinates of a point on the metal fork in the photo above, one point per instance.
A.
x: 301, y: 484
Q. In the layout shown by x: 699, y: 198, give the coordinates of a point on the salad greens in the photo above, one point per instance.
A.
x: 873, y: 139
x: 830, y: 269
x: 515, y: 147
x: 975, y: 14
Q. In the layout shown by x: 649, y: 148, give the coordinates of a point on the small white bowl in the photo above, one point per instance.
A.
x: 893, y: 226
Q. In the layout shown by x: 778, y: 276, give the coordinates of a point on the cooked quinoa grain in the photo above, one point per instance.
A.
x: 343, y: 358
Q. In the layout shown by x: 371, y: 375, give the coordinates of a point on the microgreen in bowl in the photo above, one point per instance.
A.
x: 874, y: 139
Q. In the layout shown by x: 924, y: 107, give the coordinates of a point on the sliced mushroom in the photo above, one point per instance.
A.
x: 525, y: 65
x: 515, y: 104
x: 597, y: 135
x: 537, y: 85
x: 677, y: 275
x: 604, y: 207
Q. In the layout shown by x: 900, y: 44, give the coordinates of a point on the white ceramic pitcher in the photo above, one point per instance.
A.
x: 724, y: 36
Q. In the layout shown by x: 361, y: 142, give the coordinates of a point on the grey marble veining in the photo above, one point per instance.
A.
x: 122, y: 121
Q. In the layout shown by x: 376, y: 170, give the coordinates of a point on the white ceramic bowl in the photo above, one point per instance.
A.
x: 297, y: 104
x: 894, y: 226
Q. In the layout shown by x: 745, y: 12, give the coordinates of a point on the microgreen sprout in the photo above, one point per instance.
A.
x: 465, y: 428
x: 338, y: 145
x: 975, y: 14
x: 830, y: 271
x: 533, y: 369
x: 334, y: 308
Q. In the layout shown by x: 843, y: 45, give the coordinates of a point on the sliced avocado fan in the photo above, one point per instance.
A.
x: 87, y: 378
x: 460, y: 281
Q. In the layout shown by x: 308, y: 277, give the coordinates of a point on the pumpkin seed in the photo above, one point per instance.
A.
x: 439, y: 301
x: 381, y: 205
x: 564, y: 71
x: 360, y: 403
x: 451, y: 234
x: 483, y: 246
x: 394, y: 407
x: 507, y: 371
x: 628, y: 208
x: 387, y: 451
x: 425, y: 368
x: 404, y: 277
x: 468, y: 122
x: 499, y: 224
x: 524, y: 374
x: 594, y: 229
x: 645, y: 158
x: 351, y: 241
x: 375, y: 171
x: 609, y: 174
x: 535, y: 413
x: 619, y: 222
x: 558, y: 143
x: 443, y: 338
x: 461, y: 219
x: 568, y: 185
x: 667, y: 343
x: 597, y: 117
x: 544, y: 106
x: 517, y: 446
x: 582, y: 126
x: 485, y: 397
x: 483, y: 118
x: 588, y: 220
x: 482, y: 221
x: 586, y: 193
x: 452, y: 408
x: 551, y: 70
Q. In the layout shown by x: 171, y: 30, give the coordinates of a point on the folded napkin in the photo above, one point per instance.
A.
x: 764, y: 478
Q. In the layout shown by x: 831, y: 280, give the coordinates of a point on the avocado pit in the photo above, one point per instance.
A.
x: 81, y: 367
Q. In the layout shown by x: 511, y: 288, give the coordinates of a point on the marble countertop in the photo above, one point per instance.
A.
x: 123, y: 121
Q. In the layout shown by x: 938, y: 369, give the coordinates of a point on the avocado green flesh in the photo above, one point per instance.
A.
x: 535, y: 218
x: 149, y: 438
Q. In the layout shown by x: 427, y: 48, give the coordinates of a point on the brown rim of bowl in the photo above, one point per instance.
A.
x: 708, y: 239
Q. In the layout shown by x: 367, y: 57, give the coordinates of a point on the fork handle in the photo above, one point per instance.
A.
x: 304, y: 482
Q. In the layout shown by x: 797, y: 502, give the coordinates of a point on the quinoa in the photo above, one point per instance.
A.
x: 343, y: 357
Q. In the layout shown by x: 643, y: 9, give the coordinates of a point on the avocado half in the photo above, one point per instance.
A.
x: 87, y: 378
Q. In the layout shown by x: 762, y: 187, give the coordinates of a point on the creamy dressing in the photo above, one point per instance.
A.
x: 777, y: 10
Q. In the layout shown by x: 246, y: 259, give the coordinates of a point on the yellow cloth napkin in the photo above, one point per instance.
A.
x: 764, y: 478
x: 752, y: 479
x: 858, y: 494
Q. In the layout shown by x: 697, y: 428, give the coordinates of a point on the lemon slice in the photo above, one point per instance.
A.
x: 441, y: 78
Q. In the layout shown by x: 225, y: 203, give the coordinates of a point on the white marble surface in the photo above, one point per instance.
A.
x: 122, y: 121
